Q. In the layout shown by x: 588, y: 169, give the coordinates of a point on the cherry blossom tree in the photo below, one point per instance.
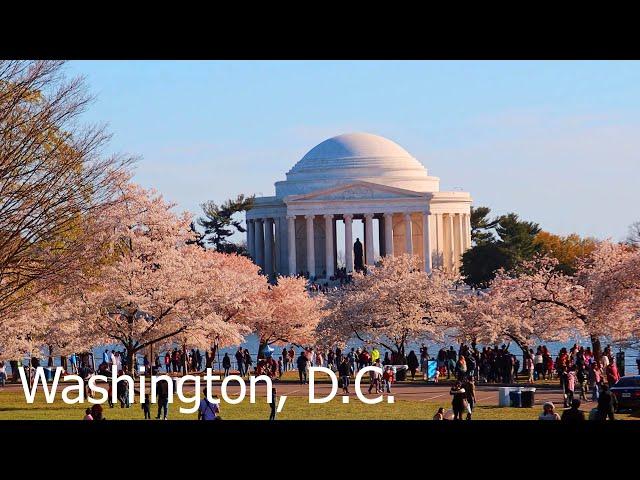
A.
x: 285, y: 313
x: 158, y: 284
x: 51, y: 316
x: 391, y: 304
x: 599, y: 300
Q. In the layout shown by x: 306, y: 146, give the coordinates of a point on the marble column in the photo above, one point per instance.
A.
x: 277, y: 247
x: 383, y: 252
x: 408, y: 235
x: 388, y: 234
x: 348, y: 242
x: 368, y: 239
x: 268, y: 246
x: 291, y: 239
x: 440, y: 240
x: 311, y: 254
x: 328, y: 245
x: 460, y: 238
x: 259, y: 243
x: 250, y: 238
x: 467, y: 231
x: 451, y: 242
x: 426, y: 242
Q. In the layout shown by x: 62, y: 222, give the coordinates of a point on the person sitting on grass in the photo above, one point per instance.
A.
x: 549, y: 412
x: 439, y: 414
x: 96, y: 412
x: 574, y: 413
x: 208, y: 410
x: 87, y: 414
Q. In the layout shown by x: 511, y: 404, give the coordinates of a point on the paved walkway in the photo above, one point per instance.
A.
x: 435, y: 393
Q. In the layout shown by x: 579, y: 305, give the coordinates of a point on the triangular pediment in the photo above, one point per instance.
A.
x: 356, y: 191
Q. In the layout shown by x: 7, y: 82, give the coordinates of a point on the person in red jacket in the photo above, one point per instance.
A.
x: 388, y: 378
x: 612, y: 374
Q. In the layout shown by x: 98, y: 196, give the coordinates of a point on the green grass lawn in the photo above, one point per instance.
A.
x: 14, y: 407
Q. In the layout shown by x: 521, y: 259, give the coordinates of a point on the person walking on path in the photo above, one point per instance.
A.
x: 343, y: 371
x: 292, y: 357
x: 273, y: 404
x: 375, y: 355
x: 375, y: 379
x: 470, y: 389
x: 595, y: 378
x: 162, y: 392
x: 412, y: 363
x: 612, y: 374
x: 226, y: 364
x: 248, y: 363
x: 606, y: 404
x: 167, y: 362
x: 303, y: 365
x: 570, y: 386
x: 388, y: 378
x: 240, y: 361
x: 146, y: 408
x: 452, y: 358
x: 459, y: 400
x: 285, y: 359
x: 3, y: 374
x: 352, y: 356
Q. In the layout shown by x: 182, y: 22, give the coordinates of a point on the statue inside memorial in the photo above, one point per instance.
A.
x: 358, y: 257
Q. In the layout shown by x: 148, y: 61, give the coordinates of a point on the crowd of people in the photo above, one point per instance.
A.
x: 577, y: 370
x: 582, y: 378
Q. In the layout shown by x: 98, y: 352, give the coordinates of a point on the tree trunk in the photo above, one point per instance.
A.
x: 524, y: 346
x: 130, y: 356
x: 184, y: 359
x: 214, y: 352
x: 63, y: 362
x: 596, y: 348
x: 261, y: 348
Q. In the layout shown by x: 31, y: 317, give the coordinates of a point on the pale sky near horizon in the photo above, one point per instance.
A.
x: 556, y: 142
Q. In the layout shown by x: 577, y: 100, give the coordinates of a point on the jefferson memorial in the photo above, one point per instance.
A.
x: 357, y: 177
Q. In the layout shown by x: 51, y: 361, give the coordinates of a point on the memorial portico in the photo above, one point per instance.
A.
x: 351, y: 178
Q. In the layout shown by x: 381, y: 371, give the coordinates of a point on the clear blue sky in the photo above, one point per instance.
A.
x: 556, y: 142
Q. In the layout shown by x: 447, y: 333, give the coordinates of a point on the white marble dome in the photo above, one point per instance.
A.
x: 352, y: 157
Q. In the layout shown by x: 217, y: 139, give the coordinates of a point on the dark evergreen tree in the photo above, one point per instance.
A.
x: 518, y: 236
x: 199, y: 240
x: 480, y: 263
x: 219, y: 223
x: 481, y: 226
x: 503, y: 242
